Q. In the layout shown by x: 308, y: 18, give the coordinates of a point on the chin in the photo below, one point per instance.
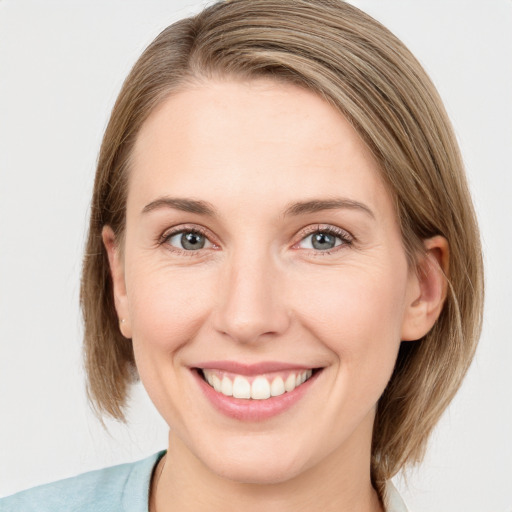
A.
x: 261, y: 473
x: 258, y: 465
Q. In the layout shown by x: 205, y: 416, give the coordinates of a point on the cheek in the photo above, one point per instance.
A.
x: 358, y: 315
x: 167, y: 309
x: 167, y: 306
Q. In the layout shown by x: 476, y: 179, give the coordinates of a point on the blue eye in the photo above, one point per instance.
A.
x: 323, y: 240
x: 188, y: 240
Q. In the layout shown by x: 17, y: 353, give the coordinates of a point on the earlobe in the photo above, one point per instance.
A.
x: 118, y: 281
x: 429, y: 289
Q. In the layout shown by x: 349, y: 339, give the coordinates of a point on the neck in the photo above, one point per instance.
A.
x: 340, y: 483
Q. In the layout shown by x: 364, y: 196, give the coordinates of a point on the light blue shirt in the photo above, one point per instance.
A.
x: 123, y: 488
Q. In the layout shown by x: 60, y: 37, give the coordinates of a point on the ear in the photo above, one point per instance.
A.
x: 427, y: 291
x: 116, y: 263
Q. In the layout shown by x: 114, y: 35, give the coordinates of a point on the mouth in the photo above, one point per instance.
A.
x: 254, y: 392
x: 258, y: 386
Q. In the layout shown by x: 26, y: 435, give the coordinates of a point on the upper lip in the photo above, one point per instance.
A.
x: 252, y: 368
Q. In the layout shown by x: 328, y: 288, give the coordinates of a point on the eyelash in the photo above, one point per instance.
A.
x: 197, y: 230
x: 345, y: 237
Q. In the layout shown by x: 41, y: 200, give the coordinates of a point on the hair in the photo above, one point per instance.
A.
x: 350, y: 60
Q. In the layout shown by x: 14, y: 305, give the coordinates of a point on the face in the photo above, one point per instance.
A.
x: 262, y: 249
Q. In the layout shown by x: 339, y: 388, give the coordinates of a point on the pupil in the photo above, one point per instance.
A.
x: 323, y: 241
x: 192, y: 241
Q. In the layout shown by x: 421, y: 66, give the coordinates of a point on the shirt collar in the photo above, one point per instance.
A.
x: 393, y: 502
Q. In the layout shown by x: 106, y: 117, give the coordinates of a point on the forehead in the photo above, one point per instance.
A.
x: 230, y: 139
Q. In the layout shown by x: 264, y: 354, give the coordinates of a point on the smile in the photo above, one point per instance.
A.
x: 254, y: 392
x: 257, y: 387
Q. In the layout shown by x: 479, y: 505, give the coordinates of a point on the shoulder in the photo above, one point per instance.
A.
x: 118, y: 488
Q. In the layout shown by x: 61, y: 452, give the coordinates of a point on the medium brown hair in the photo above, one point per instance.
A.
x: 366, y: 73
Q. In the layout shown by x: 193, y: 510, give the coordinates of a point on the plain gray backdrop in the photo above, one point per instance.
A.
x: 61, y: 66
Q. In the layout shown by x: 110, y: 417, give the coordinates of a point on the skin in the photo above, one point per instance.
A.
x: 259, y: 291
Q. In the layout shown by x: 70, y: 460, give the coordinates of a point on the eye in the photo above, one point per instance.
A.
x: 188, y: 240
x: 324, y: 239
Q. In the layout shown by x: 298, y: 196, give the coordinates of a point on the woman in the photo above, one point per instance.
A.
x: 270, y: 248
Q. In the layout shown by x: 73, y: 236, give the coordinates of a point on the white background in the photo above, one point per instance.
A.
x: 61, y: 66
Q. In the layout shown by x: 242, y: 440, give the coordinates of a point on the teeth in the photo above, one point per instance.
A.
x: 241, y: 388
x: 277, y: 387
x: 226, y: 387
x: 216, y: 383
x: 290, y: 383
x: 260, y: 389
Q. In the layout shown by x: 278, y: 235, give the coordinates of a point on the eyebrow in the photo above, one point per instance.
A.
x: 294, y: 209
x: 317, y: 205
x: 182, y: 204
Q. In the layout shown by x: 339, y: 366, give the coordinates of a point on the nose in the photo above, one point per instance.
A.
x: 252, y: 303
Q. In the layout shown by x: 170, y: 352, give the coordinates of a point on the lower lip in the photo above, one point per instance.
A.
x: 249, y: 409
